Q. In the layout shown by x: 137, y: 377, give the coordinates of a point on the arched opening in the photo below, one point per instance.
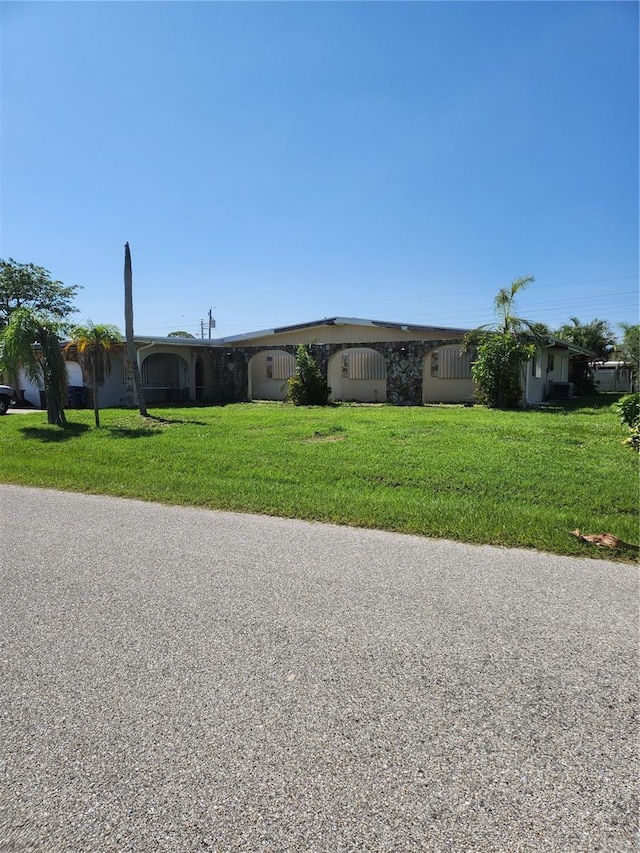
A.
x: 446, y: 376
x: 268, y: 374
x: 165, y: 378
x: 358, y: 375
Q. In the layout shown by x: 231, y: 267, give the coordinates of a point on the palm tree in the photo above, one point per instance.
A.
x: 93, y: 345
x: 505, y: 303
x: 595, y: 336
x: 128, y: 331
x: 503, y: 348
x: 31, y: 343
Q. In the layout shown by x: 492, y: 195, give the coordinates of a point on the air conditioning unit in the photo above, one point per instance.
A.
x: 561, y: 390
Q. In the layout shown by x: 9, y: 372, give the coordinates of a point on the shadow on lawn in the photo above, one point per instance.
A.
x: 166, y: 421
x: 132, y: 432
x: 585, y: 405
x: 152, y: 425
x: 54, y: 434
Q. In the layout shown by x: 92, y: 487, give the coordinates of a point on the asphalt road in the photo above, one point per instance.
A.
x: 184, y: 680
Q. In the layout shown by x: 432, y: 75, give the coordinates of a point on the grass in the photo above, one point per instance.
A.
x: 523, y: 478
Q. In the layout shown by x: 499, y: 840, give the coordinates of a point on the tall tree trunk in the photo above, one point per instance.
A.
x: 55, y: 414
x: 128, y: 331
x: 96, y: 407
x: 128, y: 380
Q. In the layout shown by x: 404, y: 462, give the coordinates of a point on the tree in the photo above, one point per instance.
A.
x: 505, y: 304
x: 503, y: 349
x: 128, y: 331
x: 498, y: 369
x: 30, y: 286
x: 31, y: 343
x: 598, y: 339
x: 307, y: 387
x: 93, y: 345
x: 180, y: 335
x: 596, y: 336
x: 629, y: 349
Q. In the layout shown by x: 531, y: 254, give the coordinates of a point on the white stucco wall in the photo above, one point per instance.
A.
x: 261, y: 387
x: 32, y: 389
x: 551, y: 365
x: 113, y: 392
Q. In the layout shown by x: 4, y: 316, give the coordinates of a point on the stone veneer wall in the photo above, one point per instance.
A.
x: 230, y: 368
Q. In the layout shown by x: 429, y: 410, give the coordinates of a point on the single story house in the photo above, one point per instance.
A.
x: 612, y: 376
x: 365, y: 361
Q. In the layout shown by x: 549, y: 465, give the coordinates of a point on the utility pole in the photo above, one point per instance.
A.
x: 212, y: 325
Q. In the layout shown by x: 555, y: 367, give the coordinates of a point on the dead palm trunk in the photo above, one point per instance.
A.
x: 94, y: 382
x: 128, y: 331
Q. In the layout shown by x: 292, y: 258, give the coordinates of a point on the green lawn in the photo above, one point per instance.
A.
x: 508, y: 478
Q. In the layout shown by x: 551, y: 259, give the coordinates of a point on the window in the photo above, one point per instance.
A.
x: 536, y: 367
x: 280, y: 365
x: 451, y: 364
x: 363, y: 364
x: 163, y: 370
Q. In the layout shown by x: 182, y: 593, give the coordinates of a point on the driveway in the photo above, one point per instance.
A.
x: 24, y: 410
x: 184, y: 680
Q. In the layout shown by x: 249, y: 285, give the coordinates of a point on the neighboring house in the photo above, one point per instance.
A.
x: 32, y: 393
x: 547, y: 375
x: 364, y: 360
x: 612, y: 376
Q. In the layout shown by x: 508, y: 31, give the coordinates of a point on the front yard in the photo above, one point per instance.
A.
x: 524, y: 478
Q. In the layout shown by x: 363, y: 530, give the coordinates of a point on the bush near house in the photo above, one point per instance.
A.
x: 498, y: 370
x: 307, y: 387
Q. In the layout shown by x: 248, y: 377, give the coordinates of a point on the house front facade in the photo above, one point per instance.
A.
x: 364, y: 361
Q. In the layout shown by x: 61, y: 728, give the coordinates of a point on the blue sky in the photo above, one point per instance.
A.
x: 283, y: 162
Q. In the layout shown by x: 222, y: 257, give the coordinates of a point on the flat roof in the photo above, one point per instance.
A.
x: 340, y: 321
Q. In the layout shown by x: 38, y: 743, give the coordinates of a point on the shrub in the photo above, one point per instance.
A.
x: 634, y: 437
x: 628, y: 408
x: 307, y: 387
x: 498, y: 368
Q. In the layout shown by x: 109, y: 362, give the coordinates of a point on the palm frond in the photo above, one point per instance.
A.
x: 94, y: 344
x: 54, y: 368
x: 18, y: 347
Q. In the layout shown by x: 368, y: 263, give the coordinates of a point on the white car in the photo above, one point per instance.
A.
x: 6, y: 396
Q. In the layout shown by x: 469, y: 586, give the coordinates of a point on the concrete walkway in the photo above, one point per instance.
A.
x: 184, y: 680
x: 24, y: 410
